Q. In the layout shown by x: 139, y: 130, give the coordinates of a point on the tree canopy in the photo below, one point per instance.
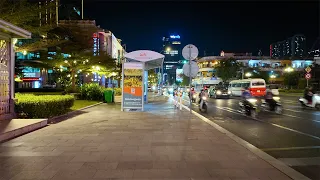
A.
x: 227, y: 69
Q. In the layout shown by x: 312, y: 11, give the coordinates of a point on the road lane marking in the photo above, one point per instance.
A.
x: 309, y: 161
x: 276, y: 125
x: 293, y: 174
x: 290, y: 148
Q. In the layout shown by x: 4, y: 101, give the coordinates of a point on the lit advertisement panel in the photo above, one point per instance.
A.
x: 179, y: 75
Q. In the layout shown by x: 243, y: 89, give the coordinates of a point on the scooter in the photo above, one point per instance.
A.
x: 249, y: 107
x: 203, y: 104
x: 277, y: 107
x: 315, y: 102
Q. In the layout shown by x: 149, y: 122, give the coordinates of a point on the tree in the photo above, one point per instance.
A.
x: 291, y: 79
x: 227, y: 69
x: 80, y: 63
x: 152, y: 77
x: 185, y: 80
x: 26, y: 15
x: 256, y: 73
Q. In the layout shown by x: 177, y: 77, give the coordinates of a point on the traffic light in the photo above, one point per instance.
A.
x: 184, y: 62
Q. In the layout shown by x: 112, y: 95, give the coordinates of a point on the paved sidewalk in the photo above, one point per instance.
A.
x: 105, y: 143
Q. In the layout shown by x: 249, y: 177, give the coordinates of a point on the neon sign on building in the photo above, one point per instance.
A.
x: 175, y: 36
x: 96, y: 44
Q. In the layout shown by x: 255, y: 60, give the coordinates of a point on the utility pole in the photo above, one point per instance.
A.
x: 190, y: 78
x: 82, y: 9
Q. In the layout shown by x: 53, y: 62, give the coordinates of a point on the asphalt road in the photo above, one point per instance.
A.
x: 293, y: 137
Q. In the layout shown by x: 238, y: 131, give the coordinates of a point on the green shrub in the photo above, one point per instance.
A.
x: 117, y: 91
x: 32, y: 106
x: 93, y: 91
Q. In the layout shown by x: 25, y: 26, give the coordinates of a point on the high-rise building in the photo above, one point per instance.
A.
x: 293, y: 47
x: 172, y: 50
x: 49, y: 12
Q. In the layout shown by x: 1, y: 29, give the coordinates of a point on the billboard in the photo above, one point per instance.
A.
x: 132, y: 86
x: 179, y: 75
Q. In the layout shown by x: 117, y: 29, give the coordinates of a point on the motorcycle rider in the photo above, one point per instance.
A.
x: 200, y: 95
x: 269, y: 99
x: 246, y: 95
x: 308, y: 93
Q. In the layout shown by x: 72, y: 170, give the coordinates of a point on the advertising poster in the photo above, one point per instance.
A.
x: 132, y: 85
x: 179, y: 75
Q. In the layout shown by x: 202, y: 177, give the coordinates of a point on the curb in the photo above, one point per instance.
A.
x: 290, y: 172
x: 72, y: 112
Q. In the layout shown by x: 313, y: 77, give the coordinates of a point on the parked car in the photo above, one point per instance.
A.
x: 219, y: 92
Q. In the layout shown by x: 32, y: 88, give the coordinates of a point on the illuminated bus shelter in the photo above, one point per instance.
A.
x: 135, y: 77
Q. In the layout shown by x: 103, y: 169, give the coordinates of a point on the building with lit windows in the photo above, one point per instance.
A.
x: 172, y: 49
x: 293, y: 47
x: 275, y: 67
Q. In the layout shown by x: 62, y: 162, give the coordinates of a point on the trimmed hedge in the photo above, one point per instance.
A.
x: 32, y: 106
x: 291, y: 90
x: 42, y: 90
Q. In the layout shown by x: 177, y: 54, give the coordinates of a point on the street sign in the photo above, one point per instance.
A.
x: 194, y: 69
x: 190, y: 52
x: 308, y: 76
x: 308, y: 69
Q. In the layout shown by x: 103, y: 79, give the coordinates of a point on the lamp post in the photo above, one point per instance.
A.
x: 113, y: 74
x: 248, y: 74
x: 289, y: 69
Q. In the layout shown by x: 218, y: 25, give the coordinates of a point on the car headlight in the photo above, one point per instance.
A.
x: 252, y: 101
x: 276, y: 98
x: 229, y: 92
x: 204, y: 98
x: 218, y: 92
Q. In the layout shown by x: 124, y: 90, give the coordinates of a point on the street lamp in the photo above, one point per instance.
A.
x: 112, y: 75
x: 288, y: 69
x: 248, y: 74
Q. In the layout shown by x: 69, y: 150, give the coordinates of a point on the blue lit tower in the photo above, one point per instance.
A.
x: 172, y: 50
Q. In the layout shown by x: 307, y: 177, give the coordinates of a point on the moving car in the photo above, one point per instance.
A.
x: 274, y: 89
x: 219, y: 91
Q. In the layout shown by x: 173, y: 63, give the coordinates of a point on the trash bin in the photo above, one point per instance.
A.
x: 108, y: 96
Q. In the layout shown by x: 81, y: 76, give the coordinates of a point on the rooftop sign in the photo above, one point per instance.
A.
x: 175, y: 36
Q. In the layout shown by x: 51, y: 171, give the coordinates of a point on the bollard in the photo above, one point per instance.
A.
x: 180, y: 102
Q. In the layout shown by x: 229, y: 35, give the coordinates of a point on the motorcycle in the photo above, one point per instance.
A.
x: 277, y: 107
x: 249, y: 107
x: 315, y: 102
x: 203, y: 104
x: 194, y: 98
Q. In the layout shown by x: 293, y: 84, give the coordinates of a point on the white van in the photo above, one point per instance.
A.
x: 257, y: 87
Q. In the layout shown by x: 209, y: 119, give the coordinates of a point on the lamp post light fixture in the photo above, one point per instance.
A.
x: 289, y: 69
x: 248, y: 74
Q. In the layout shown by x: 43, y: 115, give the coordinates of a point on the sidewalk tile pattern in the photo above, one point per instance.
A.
x: 105, y: 143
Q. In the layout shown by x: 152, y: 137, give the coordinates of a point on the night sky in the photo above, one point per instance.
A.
x: 212, y: 26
